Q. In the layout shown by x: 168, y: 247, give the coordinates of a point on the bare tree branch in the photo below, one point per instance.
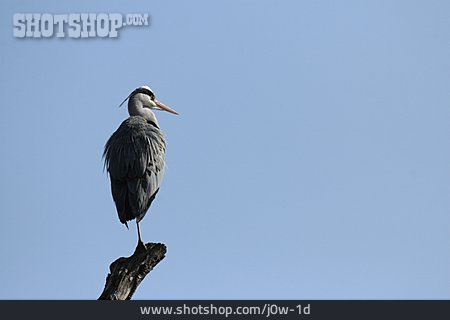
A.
x: 127, y: 273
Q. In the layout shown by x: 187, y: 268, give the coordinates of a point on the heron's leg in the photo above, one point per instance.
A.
x: 139, y: 233
x: 140, y: 245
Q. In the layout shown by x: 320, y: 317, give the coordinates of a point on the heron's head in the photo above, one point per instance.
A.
x: 143, y: 97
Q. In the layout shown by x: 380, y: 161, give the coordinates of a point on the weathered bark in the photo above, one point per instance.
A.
x: 127, y: 273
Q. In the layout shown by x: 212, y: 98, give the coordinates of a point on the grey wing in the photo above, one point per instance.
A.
x: 134, y: 158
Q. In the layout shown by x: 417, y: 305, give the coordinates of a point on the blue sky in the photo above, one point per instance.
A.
x: 310, y: 159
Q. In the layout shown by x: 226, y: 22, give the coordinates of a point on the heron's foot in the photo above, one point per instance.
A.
x: 141, y: 246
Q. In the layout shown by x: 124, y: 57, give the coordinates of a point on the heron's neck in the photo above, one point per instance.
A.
x: 136, y: 108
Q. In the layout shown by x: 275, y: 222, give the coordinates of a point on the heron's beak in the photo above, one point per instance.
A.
x: 164, y: 107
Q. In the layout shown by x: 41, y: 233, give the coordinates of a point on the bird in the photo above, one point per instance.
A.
x: 134, y: 157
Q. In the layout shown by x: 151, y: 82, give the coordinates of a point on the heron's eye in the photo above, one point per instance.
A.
x: 150, y: 94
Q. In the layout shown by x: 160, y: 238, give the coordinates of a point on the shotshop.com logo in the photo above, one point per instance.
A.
x: 75, y: 25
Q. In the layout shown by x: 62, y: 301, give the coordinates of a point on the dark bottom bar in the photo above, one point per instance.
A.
x: 227, y: 309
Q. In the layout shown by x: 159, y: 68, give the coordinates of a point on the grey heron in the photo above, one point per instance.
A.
x: 134, y: 157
